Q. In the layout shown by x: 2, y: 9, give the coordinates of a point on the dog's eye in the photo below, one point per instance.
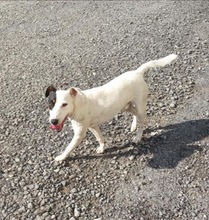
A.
x: 64, y: 104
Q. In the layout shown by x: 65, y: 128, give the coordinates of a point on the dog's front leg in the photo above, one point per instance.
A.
x: 79, y: 134
x: 74, y: 143
x: 97, y: 133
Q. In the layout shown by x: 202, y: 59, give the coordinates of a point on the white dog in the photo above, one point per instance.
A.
x: 90, y: 108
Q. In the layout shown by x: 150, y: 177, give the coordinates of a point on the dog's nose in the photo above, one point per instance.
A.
x: 54, y: 121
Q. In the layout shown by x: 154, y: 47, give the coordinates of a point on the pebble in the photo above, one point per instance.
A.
x: 173, y: 105
x: 98, y: 195
x: 44, y: 215
x: 74, y: 190
x: 64, y: 182
x: 21, y: 209
x: 76, y: 213
x: 57, y: 170
x: 132, y: 157
x: 30, y: 205
x: 17, y: 159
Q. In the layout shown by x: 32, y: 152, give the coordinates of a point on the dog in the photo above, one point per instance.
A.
x: 89, y: 108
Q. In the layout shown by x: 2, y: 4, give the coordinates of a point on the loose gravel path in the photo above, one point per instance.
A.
x: 86, y: 44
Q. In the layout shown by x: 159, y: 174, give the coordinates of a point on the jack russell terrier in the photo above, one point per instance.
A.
x: 89, y: 108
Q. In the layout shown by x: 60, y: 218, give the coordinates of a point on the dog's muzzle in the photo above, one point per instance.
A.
x: 54, y: 121
x: 55, y: 126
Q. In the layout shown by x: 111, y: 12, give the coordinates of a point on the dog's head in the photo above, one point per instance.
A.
x: 61, y: 105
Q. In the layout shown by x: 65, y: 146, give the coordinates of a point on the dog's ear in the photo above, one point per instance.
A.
x: 73, y: 92
x: 49, y: 90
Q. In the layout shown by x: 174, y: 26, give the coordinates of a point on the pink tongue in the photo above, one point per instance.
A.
x: 56, y: 127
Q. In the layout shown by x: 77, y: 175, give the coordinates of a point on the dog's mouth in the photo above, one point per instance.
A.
x: 58, y: 127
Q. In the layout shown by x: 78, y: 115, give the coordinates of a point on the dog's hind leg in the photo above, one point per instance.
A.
x: 131, y: 107
x: 141, y: 111
x: 97, y: 133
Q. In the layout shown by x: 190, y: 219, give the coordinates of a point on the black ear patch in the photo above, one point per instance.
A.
x: 52, y: 100
x: 49, y: 90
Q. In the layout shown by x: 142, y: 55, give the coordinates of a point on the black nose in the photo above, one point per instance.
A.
x: 54, y: 121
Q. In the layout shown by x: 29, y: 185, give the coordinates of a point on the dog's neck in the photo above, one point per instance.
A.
x: 77, y: 113
x: 72, y: 115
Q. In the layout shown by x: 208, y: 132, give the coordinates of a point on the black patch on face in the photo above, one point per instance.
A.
x: 49, y: 90
x: 52, y: 100
x: 51, y: 95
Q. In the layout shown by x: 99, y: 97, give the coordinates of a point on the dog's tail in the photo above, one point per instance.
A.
x: 156, y: 63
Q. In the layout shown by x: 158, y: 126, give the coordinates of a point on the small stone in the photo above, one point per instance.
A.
x: 64, y: 182
x: 136, y: 151
x: 74, y: 190
x: 66, y: 190
x: 17, y: 159
x: 43, y: 202
x: 132, y: 157
x: 70, y: 210
x: 76, y: 213
x: 153, y: 133
x: 22, y: 183
x: 30, y: 205
x: 36, y: 186
x: 56, y: 170
x: 172, y: 105
x: 164, y: 137
x: 21, y: 209
x: 44, y: 215
x: 98, y: 195
x: 113, y: 162
x: 72, y: 176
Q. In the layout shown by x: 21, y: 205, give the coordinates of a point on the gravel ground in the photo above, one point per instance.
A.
x: 86, y: 44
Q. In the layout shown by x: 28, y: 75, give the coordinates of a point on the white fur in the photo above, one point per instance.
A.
x: 90, y: 108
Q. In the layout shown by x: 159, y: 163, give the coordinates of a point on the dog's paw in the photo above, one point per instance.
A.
x: 100, y: 150
x: 134, y: 124
x: 137, y: 138
x: 60, y: 158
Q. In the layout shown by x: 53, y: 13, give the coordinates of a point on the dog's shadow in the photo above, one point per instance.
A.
x: 168, y: 145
